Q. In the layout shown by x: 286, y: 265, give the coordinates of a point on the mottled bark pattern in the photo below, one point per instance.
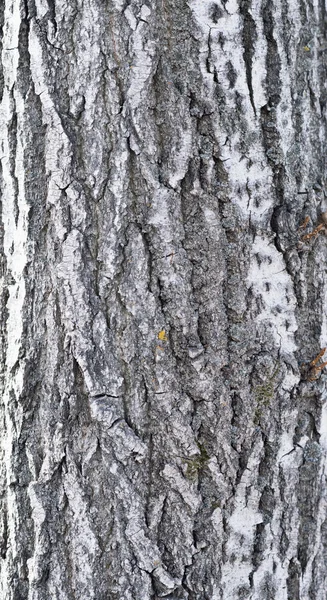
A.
x: 162, y: 433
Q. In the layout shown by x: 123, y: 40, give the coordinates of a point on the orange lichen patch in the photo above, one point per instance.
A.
x: 162, y: 336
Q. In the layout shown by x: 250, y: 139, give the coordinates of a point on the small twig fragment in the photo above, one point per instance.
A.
x: 305, y: 223
x: 313, y: 233
x: 319, y: 367
x: 315, y: 369
x: 318, y: 357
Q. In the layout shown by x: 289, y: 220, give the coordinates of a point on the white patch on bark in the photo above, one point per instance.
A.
x: 241, y: 529
x: 270, y: 281
x: 15, y: 224
x: 83, y: 542
x: 58, y: 157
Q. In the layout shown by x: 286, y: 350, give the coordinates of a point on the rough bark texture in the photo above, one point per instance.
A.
x: 163, y: 433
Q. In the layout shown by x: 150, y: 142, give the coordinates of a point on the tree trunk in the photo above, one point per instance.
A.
x: 164, y: 299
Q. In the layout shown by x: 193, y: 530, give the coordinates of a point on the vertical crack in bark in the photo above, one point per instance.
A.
x: 249, y: 38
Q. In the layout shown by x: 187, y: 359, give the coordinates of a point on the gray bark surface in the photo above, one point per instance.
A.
x: 163, y: 433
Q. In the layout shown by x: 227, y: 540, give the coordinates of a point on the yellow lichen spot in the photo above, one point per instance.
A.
x: 306, y: 48
x: 162, y: 336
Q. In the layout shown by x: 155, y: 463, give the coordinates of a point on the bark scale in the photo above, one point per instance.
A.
x: 160, y: 436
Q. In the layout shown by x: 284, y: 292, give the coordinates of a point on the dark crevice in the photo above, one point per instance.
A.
x: 2, y: 10
x: 52, y: 14
x: 293, y: 580
x: 104, y: 395
x: 273, y: 62
x: 4, y: 533
x: 12, y: 139
x: 249, y: 37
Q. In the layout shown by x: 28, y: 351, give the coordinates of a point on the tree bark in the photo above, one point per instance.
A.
x: 163, y: 300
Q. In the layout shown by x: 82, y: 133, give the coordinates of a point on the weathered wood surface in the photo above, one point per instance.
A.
x: 160, y: 436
